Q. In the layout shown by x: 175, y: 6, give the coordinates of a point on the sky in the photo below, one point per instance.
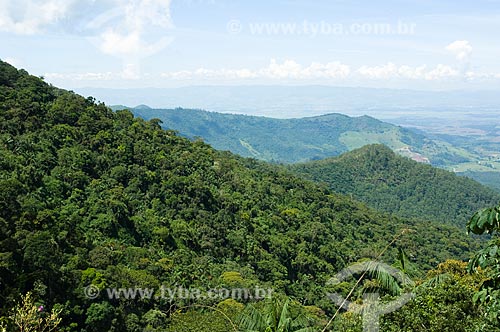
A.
x: 411, y: 44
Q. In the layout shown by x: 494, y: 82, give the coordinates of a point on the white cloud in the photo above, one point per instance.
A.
x: 387, y: 71
x: 442, y: 72
x: 116, y: 43
x: 81, y: 76
x: 462, y: 49
x: 128, y: 29
x: 32, y: 16
x: 291, y: 70
x: 288, y: 69
x: 472, y: 75
x: 392, y: 71
x: 134, y: 29
x: 413, y: 73
x: 211, y: 74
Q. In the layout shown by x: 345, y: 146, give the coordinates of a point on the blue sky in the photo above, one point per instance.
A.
x: 415, y: 44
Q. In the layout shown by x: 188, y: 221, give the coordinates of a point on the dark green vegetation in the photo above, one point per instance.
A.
x: 374, y: 174
x: 294, y: 140
x: 313, y: 138
x: 93, y: 197
x: 491, y: 179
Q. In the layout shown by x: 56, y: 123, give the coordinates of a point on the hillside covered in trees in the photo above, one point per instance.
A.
x: 388, y: 182
x: 95, y: 197
x: 300, y: 139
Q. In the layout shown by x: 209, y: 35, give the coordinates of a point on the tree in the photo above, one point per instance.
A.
x: 488, y: 221
x: 443, y: 301
x: 274, y: 316
x: 27, y: 316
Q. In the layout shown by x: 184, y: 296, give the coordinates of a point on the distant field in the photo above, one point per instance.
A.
x: 490, y: 167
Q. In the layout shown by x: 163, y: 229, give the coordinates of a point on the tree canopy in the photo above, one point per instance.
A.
x: 92, y: 197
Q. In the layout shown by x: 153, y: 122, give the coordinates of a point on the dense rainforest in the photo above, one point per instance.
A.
x: 374, y: 174
x: 92, y: 197
x: 296, y: 140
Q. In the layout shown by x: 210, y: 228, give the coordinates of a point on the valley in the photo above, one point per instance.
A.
x: 470, y: 150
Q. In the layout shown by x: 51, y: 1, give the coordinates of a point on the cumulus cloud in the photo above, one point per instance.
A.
x: 204, y: 73
x: 133, y: 28
x: 442, y: 72
x: 82, y: 76
x: 32, y: 16
x: 462, y: 49
x: 387, y: 71
x: 392, y: 71
x: 287, y: 69
x: 474, y: 76
x: 414, y: 73
x: 291, y: 70
x: 128, y: 29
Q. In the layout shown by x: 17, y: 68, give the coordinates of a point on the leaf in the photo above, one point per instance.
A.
x: 486, y: 220
x: 493, y: 250
x: 479, y: 296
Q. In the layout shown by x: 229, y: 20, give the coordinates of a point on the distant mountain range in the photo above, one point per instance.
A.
x: 301, y: 101
x: 301, y: 139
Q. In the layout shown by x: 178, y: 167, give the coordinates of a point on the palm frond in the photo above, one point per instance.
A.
x: 436, y: 281
x: 252, y: 319
x: 387, y: 277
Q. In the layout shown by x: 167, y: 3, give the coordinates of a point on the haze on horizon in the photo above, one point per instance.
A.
x: 407, y: 44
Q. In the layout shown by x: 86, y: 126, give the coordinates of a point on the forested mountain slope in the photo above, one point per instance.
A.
x: 93, y: 197
x: 301, y: 139
x: 377, y: 176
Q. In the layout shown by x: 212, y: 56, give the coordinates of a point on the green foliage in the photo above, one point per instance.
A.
x: 487, y: 260
x: 275, y: 316
x: 295, y: 140
x: 94, y: 197
x: 206, y: 320
x: 485, y: 221
x: 491, y: 179
x: 377, y: 176
x: 100, y: 316
x: 442, y: 302
x: 232, y: 277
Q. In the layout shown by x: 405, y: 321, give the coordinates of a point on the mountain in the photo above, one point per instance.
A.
x: 303, y: 139
x: 388, y: 182
x: 302, y: 101
x: 95, y: 198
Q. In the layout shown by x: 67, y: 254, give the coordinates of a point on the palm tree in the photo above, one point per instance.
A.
x: 275, y: 316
